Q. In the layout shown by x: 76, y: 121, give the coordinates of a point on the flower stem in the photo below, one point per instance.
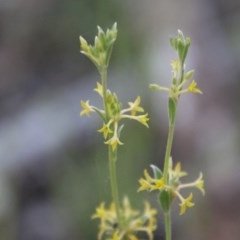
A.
x: 112, y: 155
x: 168, y: 225
x: 103, y: 74
x: 167, y: 214
x: 168, y: 150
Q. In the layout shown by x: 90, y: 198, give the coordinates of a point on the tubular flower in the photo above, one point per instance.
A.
x: 114, y: 140
x: 134, y: 106
x: 99, y: 89
x: 174, y: 185
x: 134, y: 222
x: 105, y: 130
x: 186, y: 203
x: 86, y: 108
x: 193, y: 88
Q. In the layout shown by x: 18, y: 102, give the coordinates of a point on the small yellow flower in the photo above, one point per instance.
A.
x: 86, y: 108
x: 114, y: 141
x: 115, y: 236
x: 186, y: 203
x: 99, y: 89
x: 143, y: 119
x: 200, y: 183
x: 193, y: 88
x: 101, y: 212
x: 105, y: 130
x: 134, y: 222
x: 134, y: 106
x: 150, y: 183
x: 144, y: 185
x: 132, y: 237
x: 178, y: 172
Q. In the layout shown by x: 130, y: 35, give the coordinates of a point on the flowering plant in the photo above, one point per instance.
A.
x: 118, y: 221
x: 121, y: 221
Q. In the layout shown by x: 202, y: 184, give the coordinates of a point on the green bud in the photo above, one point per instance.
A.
x: 189, y: 75
x: 166, y: 198
x: 157, y: 173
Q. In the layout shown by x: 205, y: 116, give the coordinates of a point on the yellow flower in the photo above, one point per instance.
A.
x: 101, y: 212
x: 134, y: 222
x: 186, y: 203
x: 150, y: 183
x: 99, y: 89
x: 115, y: 236
x: 86, y: 108
x: 114, y: 141
x: 193, y: 88
x: 200, y: 183
x: 134, y: 106
x: 177, y: 172
x: 105, y: 130
x: 132, y: 237
x: 143, y: 119
x: 144, y: 185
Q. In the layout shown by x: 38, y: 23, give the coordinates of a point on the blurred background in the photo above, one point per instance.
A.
x: 53, y: 164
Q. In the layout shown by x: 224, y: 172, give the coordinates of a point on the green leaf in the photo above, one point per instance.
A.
x: 157, y: 173
x: 165, y: 199
x: 171, y: 110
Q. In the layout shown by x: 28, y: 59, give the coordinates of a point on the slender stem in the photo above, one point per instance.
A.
x: 112, y: 155
x: 103, y: 73
x: 168, y: 150
x: 167, y: 215
x: 168, y: 225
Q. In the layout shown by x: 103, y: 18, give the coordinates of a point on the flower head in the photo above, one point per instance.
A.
x: 134, y: 222
x: 173, y: 186
x: 100, y: 52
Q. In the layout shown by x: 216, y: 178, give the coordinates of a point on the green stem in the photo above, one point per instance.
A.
x: 168, y: 150
x: 167, y: 215
x: 103, y: 74
x: 112, y: 155
x: 168, y: 225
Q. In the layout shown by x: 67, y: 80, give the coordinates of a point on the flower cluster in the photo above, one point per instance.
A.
x: 173, y: 186
x: 180, y: 78
x: 177, y: 87
x: 111, y: 127
x: 133, y: 222
x: 100, y: 52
